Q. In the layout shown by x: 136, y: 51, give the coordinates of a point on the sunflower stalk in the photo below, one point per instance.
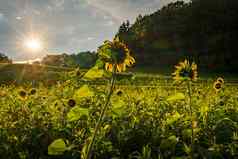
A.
x: 191, y: 115
x: 98, y: 124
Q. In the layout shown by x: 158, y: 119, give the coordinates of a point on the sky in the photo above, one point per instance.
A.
x: 65, y: 26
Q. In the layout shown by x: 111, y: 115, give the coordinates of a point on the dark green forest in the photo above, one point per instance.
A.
x: 203, y: 30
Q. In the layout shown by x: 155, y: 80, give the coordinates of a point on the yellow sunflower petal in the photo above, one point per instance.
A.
x: 119, y: 69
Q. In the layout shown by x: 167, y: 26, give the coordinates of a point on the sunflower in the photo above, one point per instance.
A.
x: 71, y: 102
x: 22, y: 94
x: 221, y: 80
x: 32, y: 91
x: 217, y: 86
x: 185, y: 71
x: 119, y: 93
x: 115, y: 55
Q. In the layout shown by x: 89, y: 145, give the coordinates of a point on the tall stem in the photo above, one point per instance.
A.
x: 191, y: 115
x: 112, y: 83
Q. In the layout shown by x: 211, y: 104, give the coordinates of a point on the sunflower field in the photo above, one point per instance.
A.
x: 100, y: 114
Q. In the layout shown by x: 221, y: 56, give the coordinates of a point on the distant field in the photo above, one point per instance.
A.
x: 23, y: 73
x: 26, y: 72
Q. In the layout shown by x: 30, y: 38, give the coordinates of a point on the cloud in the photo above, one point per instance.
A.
x: 128, y: 9
x: 66, y: 25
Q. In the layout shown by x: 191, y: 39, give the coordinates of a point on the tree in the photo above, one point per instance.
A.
x: 83, y: 60
x: 4, y: 59
x: 53, y: 60
x: 204, y: 30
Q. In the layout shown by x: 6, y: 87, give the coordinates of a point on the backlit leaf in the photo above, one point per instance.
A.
x: 94, y: 73
x: 84, y: 91
x: 57, y: 147
x: 76, y: 113
x: 177, y: 96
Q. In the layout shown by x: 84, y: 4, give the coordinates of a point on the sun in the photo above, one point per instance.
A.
x: 33, y: 44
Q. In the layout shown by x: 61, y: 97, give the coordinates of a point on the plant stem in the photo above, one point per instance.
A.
x: 112, y: 83
x: 191, y: 115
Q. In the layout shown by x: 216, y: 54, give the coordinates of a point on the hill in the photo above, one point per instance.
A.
x: 205, y: 31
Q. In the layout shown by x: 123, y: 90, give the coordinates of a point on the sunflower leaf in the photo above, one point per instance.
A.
x: 76, y: 113
x: 94, y: 73
x: 57, y: 147
x: 118, y: 107
x: 83, y: 92
x: 175, y: 97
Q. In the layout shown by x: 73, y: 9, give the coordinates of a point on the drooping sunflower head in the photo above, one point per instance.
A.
x: 185, y: 71
x: 217, y: 86
x: 115, y: 55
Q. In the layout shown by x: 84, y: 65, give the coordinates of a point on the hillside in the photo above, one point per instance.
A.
x: 199, y: 30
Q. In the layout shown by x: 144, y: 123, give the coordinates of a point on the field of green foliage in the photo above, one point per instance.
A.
x: 144, y: 122
x: 105, y: 113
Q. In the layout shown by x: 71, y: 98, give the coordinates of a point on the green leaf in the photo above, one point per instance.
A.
x: 99, y: 64
x: 186, y: 133
x: 224, y: 130
x: 169, y: 143
x: 83, y: 92
x: 177, y: 96
x: 173, y: 118
x: 57, y: 147
x: 76, y: 113
x: 118, y: 107
x: 94, y: 73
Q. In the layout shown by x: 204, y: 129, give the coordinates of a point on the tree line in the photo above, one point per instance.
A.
x: 4, y: 58
x: 202, y: 30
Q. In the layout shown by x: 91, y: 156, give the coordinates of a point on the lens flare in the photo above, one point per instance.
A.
x: 33, y: 44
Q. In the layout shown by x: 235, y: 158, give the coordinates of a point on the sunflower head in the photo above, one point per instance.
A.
x: 217, y: 86
x: 22, y: 94
x: 71, y: 102
x: 115, y: 55
x: 185, y: 71
x: 33, y: 91
x: 119, y: 93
